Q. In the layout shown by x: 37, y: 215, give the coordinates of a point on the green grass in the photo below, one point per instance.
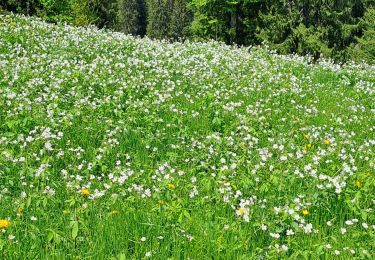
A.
x: 188, y: 151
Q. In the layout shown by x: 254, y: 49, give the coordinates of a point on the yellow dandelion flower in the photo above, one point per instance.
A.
x: 307, y: 146
x: 305, y: 212
x: 4, y: 223
x: 85, y: 192
x: 358, y: 184
x: 326, y: 142
x: 171, y: 186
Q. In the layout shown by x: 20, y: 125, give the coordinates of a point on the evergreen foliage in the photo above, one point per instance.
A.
x: 159, y: 18
x: 180, y: 20
x: 328, y: 29
x: 81, y: 13
x: 365, y: 48
x: 338, y: 29
x: 132, y: 17
x: 104, y: 11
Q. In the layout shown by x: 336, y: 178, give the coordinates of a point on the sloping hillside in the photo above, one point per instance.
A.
x: 113, y: 147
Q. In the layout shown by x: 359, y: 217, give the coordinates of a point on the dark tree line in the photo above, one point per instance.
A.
x: 340, y: 29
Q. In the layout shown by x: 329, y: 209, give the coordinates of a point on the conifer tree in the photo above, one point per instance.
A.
x: 158, y: 18
x: 180, y: 20
x: 364, y: 50
x: 98, y: 12
x: 132, y: 17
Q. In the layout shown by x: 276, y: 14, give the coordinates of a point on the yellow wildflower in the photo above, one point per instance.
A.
x: 85, y: 192
x: 171, y: 186
x: 4, y: 223
x: 326, y: 141
x: 307, y: 146
x: 307, y: 137
x: 114, y: 212
x: 305, y: 212
x: 358, y: 184
x: 65, y: 212
x: 241, y: 211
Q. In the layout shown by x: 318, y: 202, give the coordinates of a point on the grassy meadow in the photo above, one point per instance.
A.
x: 115, y: 147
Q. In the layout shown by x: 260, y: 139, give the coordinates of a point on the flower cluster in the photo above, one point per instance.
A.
x: 166, y: 144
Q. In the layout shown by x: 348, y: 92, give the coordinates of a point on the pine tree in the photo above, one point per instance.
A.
x: 98, y: 12
x: 132, y: 17
x: 27, y: 7
x: 180, y: 20
x: 104, y: 11
x: 364, y: 50
x: 159, y: 18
